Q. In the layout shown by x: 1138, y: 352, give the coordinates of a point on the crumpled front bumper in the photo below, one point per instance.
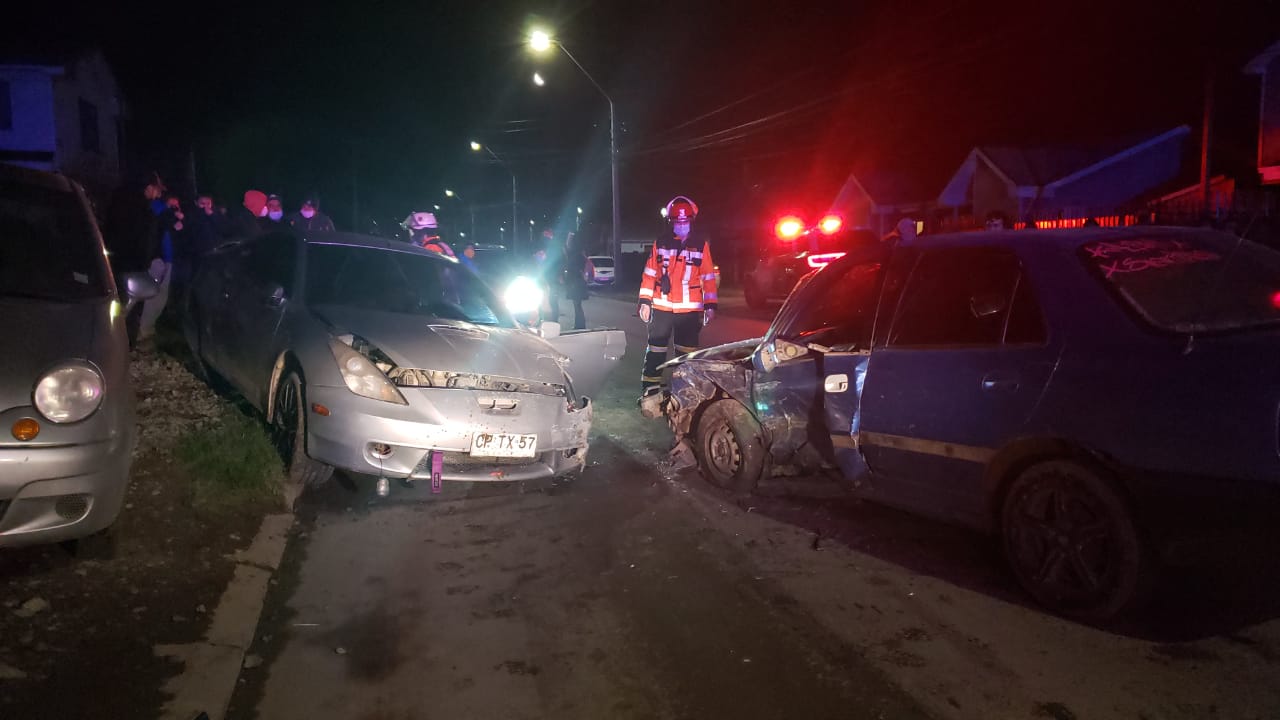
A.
x: 446, y: 420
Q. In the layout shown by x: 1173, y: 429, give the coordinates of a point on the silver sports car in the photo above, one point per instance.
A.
x: 384, y: 359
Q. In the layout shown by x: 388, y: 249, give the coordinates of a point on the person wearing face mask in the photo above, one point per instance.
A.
x: 309, y: 219
x: 273, y: 219
x: 678, y: 291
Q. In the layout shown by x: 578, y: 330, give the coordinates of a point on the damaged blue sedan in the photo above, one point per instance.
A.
x: 1105, y: 401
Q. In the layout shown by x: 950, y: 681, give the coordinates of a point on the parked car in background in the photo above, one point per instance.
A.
x: 603, y: 268
x: 381, y: 358
x: 796, y: 250
x: 66, y: 406
x: 1104, y: 400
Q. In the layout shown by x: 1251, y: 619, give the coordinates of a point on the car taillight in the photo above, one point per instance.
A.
x: 820, y: 259
x: 830, y: 224
x: 789, y: 227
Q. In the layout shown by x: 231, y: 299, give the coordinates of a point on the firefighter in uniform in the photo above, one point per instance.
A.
x: 678, y: 290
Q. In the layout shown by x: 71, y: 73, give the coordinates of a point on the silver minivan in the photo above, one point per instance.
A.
x: 66, y: 405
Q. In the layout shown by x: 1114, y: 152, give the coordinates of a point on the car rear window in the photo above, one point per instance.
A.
x: 602, y: 262
x: 48, y: 249
x: 1191, y: 283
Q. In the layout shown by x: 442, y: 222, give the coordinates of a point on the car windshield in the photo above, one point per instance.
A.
x: 399, y: 282
x: 1192, y: 283
x: 48, y: 249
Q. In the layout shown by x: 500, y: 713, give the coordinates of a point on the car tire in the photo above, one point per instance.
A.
x: 729, y: 447
x: 289, y: 427
x: 1072, y: 542
x: 756, y: 300
x: 101, y: 545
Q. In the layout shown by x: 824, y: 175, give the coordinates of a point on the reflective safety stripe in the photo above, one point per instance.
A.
x: 969, y: 453
x: 686, y: 349
x: 709, y: 276
x: 651, y: 378
x: 663, y: 303
x: 646, y: 292
x: 656, y: 348
x: 651, y: 272
x: 844, y: 441
x: 709, y: 297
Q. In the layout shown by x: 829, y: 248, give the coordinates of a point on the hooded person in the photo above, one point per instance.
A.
x: 273, y: 217
x: 243, y: 221
x: 310, y: 219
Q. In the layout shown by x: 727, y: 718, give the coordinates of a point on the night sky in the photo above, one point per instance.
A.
x: 743, y: 105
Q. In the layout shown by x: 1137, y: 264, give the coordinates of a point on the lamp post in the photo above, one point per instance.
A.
x: 477, y: 147
x: 452, y: 194
x: 541, y: 41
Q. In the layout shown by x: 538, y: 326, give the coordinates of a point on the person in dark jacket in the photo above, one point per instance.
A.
x: 576, y: 269
x: 309, y: 219
x: 274, y: 218
x: 131, y: 234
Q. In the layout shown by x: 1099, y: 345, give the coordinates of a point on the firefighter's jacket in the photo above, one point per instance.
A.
x: 689, y: 272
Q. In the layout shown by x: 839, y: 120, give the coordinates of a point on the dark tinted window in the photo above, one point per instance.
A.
x: 957, y: 296
x: 842, y: 315
x: 399, y: 282
x: 602, y: 262
x: 48, y: 248
x: 1026, y: 324
x: 6, y: 106
x: 271, y: 260
x: 1191, y: 282
x: 88, y: 126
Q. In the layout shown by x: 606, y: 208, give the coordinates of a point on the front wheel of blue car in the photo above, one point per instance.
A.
x: 289, y: 426
x: 1072, y: 541
x: 729, y: 447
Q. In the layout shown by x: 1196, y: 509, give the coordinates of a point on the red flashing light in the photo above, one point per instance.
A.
x: 789, y: 227
x: 1275, y: 300
x: 830, y: 224
x: 820, y: 259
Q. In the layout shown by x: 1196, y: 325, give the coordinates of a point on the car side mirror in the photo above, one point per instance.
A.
x: 986, y: 305
x: 139, y: 287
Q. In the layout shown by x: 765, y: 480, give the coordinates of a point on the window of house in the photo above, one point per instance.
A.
x: 963, y: 297
x: 6, y: 106
x: 89, y: 136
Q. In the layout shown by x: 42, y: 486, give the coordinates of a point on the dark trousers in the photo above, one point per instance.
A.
x: 686, y: 326
x: 579, y: 317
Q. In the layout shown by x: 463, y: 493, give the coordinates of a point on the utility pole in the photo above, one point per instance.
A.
x: 355, y: 192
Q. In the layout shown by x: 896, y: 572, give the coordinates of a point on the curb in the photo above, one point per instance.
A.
x: 212, y: 666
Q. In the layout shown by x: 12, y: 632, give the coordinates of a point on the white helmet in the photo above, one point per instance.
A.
x: 420, y: 221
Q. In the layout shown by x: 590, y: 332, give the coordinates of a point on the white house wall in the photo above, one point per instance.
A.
x: 88, y: 78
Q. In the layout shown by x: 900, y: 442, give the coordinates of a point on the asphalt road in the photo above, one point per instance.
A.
x: 635, y: 593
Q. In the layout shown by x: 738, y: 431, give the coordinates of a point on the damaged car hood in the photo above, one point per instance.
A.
x: 729, y: 352
x: 426, y: 343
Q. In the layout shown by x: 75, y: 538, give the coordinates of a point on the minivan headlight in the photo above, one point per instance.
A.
x: 69, y: 393
x: 361, y: 375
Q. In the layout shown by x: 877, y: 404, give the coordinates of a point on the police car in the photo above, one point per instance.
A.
x: 798, y: 249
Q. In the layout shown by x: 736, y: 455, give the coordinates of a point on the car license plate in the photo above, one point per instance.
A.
x: 503, y: 445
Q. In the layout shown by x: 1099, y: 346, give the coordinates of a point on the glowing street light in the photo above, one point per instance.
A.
x: 448, y: 193
x: 436, y: 207
x: 537, y: 80
x: 476, y: 146
x: 579, y: 211
x: 539, y: 41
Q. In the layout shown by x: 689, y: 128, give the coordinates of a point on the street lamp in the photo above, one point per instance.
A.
x: 579, y: 224
x: 541, y: 41
x: 537, y: 80
x: 477, y: 147
x: 530, y: 232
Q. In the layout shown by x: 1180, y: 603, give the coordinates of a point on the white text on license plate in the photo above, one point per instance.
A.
x: 504, y: 445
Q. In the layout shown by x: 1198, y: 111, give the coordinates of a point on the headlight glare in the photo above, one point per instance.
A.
x: 69, y: 393
x: 523, y: 295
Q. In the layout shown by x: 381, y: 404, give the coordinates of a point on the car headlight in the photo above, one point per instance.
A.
x: 69, y: 393
x: 362, y: 376
x: 523, y: 295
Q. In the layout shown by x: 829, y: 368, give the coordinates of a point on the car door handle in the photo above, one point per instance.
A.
x: 997, y: 381
x: 836, y: 383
